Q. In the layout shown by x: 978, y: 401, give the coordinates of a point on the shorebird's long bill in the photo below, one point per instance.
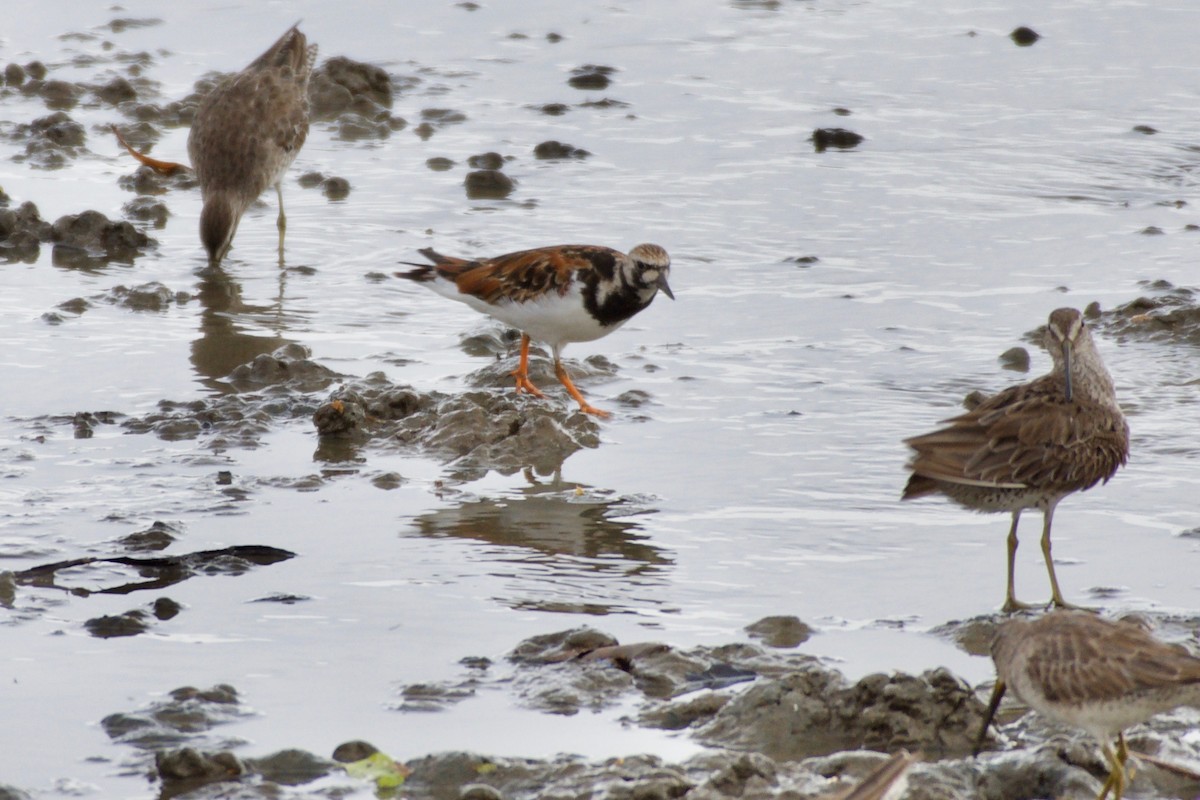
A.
x: 1067, y: 364
x: 662, y: 285
x: 993, y: 704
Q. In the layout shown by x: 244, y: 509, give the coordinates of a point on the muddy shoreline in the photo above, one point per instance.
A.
x: 771, y: 720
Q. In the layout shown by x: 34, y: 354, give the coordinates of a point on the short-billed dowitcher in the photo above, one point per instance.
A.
x: 1094, y: 674
x: 1031, y: 445
x: 246, y: 133
x: 557, y: 295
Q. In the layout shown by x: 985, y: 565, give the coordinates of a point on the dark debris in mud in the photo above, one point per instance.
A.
x: 153, y: 572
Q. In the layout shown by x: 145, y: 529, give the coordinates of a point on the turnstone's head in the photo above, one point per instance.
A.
x: 651, y: 266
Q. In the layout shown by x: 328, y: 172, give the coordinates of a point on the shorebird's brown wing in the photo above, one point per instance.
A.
x: 524, y: 275
x: 1089, y: 661
x: 1025, y: 436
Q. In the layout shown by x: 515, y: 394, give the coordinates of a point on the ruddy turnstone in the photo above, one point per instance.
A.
x: 1032, y: 444
x: 246, y: 133
x: 557, y: 295
x: 1092, y: 673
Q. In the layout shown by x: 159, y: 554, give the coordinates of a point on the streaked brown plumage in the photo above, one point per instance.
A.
x: 1094, y: 674
x: 1030, y: 445
x: 246, y: 133
x: 561, y: 294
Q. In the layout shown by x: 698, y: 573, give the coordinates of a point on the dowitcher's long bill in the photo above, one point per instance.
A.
x: 1093, y: 674
x: 1031, y: 445
x: 246, y: 133
x: 557, y: 295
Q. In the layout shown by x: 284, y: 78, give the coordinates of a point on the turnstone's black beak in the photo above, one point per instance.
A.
x: 662, y: 285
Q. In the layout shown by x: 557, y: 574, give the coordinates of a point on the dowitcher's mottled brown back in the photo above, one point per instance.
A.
x: 245, y: 135
x: 1032, y: 444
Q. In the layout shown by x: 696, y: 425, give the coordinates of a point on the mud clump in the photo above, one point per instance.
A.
x: 341, y: 84
x: 433, y: 119
x: 289, y: 368
x: 147, y: 210
x: 1171, y: 314
x: 22, y: 230
x: 780, y: 631
x: 51, y: 142
x: 477, y: 430
x: 553, y: 150
x: 1024, y: 36
x: 489, y: 160
x: 488, y: 184
x: 839, y: 138
x: 811, y: 712
x: 591, y: 77
x: 131, y: 623
x: 152, y: 296
x: 96, y: 235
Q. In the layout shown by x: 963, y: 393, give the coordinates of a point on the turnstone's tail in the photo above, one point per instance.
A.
x: 443, y: 266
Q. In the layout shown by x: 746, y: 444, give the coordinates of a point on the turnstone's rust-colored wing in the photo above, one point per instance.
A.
x: 521, y: 276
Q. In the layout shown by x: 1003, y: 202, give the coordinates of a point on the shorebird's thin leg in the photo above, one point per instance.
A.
x: 1056, y: 598
x: 584, y: 405
x: 1011, y: 603
x: 990, y: 714
x: 1117, y: 776
x: 281, y: 222
x: 521, y: 373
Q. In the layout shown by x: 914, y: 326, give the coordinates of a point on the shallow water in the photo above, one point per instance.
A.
x: 995, y: 184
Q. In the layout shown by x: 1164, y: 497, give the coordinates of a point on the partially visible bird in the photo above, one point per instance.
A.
x: 557, y: 295
x: 246, y: 133
x: 1032, y: 444
x: 888, y: 781
x: 1091, y: 673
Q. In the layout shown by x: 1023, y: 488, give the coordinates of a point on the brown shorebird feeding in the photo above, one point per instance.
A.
x: 1094, y: 674
x: 246, y: 133
x: 1031, y: 445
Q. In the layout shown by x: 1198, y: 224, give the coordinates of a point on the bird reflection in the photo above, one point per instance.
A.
x: 223, y: 343
x: 564, y: 531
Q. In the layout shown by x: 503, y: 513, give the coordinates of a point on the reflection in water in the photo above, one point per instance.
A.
x: 223, y: 344
x: 560, y: 535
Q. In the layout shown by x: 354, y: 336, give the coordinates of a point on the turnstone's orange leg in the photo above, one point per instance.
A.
x: 521, y: 373
x: 584, y: 405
